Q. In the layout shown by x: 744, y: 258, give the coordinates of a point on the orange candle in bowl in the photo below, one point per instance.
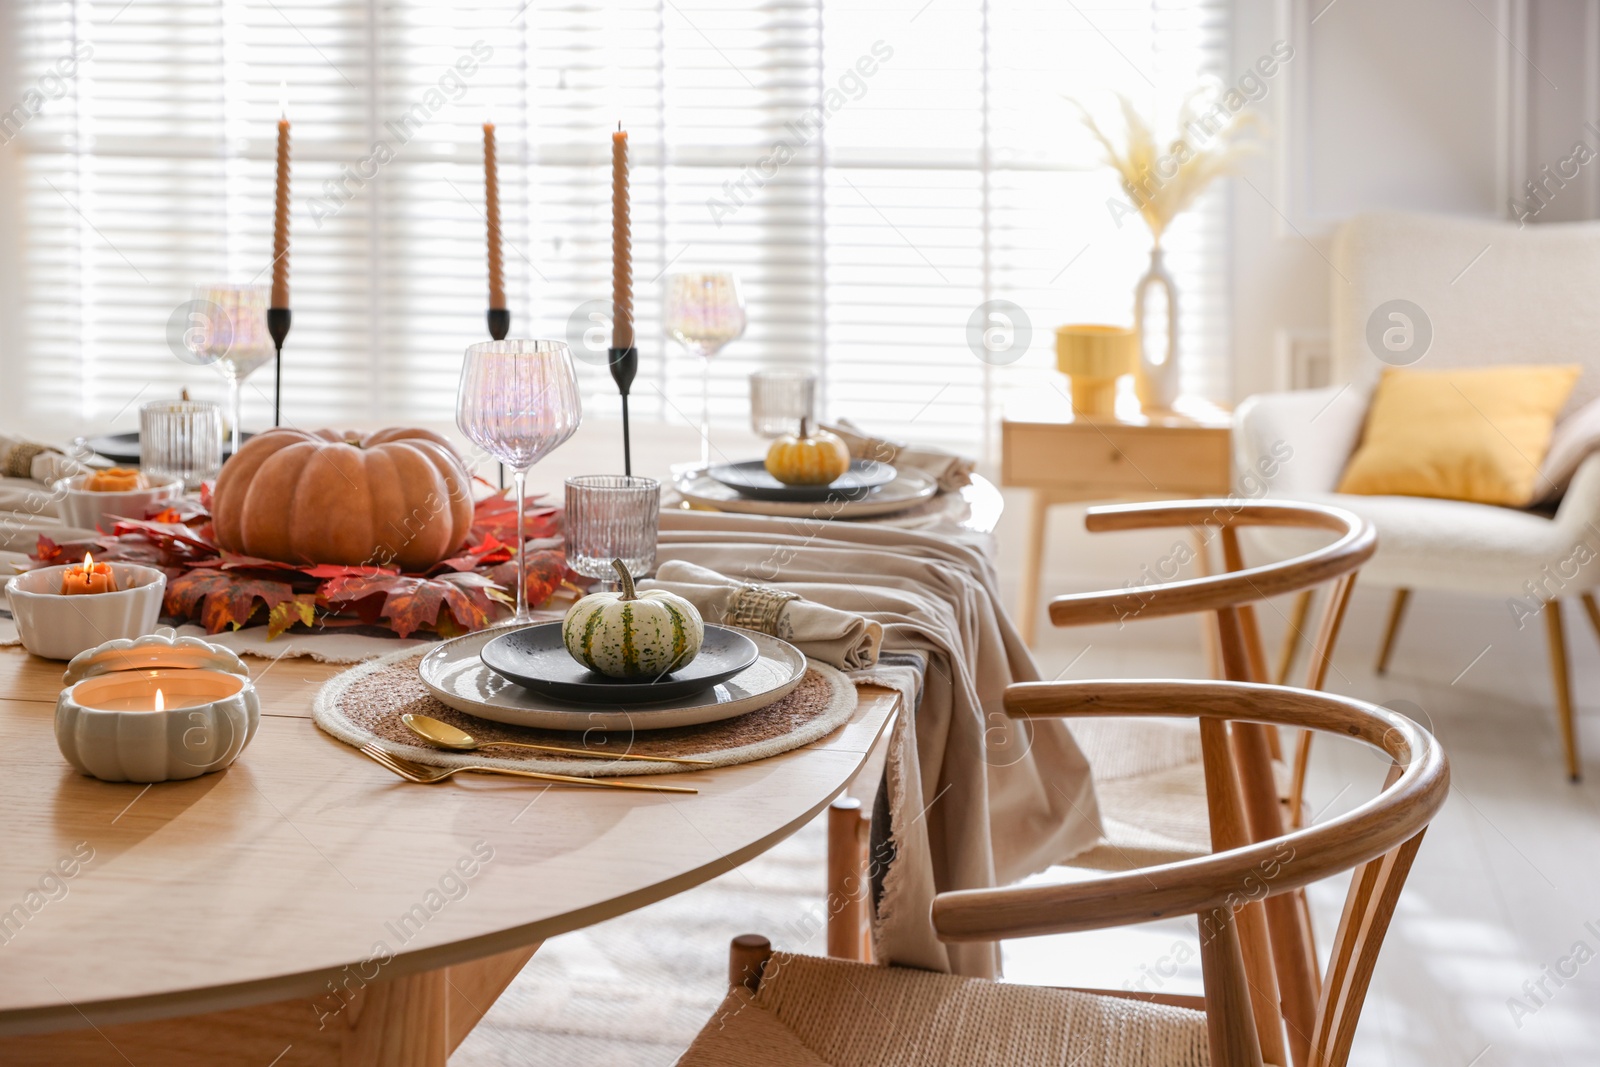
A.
x: 92, y: 577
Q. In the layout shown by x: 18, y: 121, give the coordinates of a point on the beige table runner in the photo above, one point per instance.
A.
x: 977, y: 799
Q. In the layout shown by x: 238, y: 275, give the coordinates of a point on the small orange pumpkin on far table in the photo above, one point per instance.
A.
x: 808, y: 458
x: 397, y: 497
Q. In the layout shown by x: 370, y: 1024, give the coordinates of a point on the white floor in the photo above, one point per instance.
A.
x: 1502, y: 894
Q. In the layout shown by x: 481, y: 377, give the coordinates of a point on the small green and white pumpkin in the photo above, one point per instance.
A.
x: 629, y: 634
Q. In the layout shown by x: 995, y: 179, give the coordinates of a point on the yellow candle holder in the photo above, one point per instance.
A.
x: 1093, y: 357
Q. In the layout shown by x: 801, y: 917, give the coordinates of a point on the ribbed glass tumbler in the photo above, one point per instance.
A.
x: 181, y: 439
x: 612, y: 516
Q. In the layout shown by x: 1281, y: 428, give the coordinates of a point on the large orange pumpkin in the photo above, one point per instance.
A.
x: 394, y: 497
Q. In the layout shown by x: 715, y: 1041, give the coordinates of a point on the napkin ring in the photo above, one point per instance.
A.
x: 757, y: 607
x: 17, y: 461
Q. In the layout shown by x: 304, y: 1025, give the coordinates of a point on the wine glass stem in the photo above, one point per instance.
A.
x: 233, y: 413
x: 519, y: 479
x: 705, y: 414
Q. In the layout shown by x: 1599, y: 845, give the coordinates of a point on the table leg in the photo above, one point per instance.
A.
x: 413, y: 1021
x: 1032, y: 565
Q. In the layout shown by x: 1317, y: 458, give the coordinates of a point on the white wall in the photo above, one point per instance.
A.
x: 1445, y: 106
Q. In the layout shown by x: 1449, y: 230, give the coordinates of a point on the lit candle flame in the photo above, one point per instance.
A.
x: 161, y: 701
x: 88, y: 563
x: 283, y: 99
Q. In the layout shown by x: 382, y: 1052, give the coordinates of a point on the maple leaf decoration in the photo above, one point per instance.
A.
x: 547, y: 569
x: 410, y: 604
x: 495, y: 516
x: 219, y: 600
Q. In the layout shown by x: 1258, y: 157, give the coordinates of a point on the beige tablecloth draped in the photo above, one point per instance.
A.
x: 976, y: 799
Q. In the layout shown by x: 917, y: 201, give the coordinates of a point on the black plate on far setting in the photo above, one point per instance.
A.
x: 536, y: 659
x: 124, y: 447
x: 751, y: 479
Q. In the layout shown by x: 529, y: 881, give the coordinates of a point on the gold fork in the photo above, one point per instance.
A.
x: 417, y: 772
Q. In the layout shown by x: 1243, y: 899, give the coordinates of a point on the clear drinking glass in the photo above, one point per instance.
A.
x: 703, y: 312
x: 518, y: 401
x: 611, y: 516
x: 228, y: 330
x: 780, y: 400
x: 181, y: 439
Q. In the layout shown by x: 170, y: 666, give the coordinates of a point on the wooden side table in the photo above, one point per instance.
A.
x: 1063, y: 462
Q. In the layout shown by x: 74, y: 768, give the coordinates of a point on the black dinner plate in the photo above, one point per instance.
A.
x: 536, y: 659
x: 751, y: 479
x: 124, y: 447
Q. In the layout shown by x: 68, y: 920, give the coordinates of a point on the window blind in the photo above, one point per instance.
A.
x: 874, y: 173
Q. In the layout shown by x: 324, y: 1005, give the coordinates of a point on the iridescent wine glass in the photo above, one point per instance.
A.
x: 518, y: 401
x: 227, y: 329
x: 703, y: 312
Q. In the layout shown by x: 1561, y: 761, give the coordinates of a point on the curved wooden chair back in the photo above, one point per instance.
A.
x: 1248, y: 1016
x: 1238, y: 588
x: 1232, y: 595
x: 1281, y: 952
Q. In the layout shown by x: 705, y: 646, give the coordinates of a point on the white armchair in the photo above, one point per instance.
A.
x: 1493, y: 294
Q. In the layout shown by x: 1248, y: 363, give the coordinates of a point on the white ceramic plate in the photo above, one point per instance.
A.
x: 455, y: 674
x: 910, y: 488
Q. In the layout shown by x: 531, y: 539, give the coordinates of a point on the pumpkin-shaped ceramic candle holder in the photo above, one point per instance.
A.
x: 58, y: 626
x: 155, y: 709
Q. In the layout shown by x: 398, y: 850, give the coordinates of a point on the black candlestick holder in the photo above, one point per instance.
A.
x: 499, y: 323
x: 278, y: 327
x: 624, y: 365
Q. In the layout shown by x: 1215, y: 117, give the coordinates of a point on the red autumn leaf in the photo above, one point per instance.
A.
x: 169, y: 535
x: 547, y: 569
x: 232, y: 562
x: 496, y: 516
x: 340, y: 570
x: 492, y: 550
x: 410, y: 604
x: 219, y: 600
x: 47, y: 551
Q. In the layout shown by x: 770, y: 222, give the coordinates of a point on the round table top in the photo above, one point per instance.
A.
x: 260, y: 883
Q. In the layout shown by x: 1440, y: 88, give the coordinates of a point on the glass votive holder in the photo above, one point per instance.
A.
x: 181, y: 439
x: 780, y: 399
x: 611, y: 516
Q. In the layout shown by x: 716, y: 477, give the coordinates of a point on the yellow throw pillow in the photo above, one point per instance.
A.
x: 1475, y: 435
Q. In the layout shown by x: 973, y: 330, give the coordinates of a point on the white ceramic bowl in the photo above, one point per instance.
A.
x: 78, y: 506
x: 107, y: 725
x: 59, y: 627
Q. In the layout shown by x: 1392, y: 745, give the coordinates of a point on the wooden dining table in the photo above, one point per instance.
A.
x: 305, y: 906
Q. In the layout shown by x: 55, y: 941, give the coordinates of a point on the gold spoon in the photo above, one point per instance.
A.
x: 443, y: 735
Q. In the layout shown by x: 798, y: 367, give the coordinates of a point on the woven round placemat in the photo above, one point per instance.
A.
x: 366, y: 702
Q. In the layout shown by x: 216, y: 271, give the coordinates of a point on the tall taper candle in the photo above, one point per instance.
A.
x: 491, y: 208
x: 280, y: 223
x: 621, y: 245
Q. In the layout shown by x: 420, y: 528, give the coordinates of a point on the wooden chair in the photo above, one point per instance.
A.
x: 795, y: 1011
x: 1158, y: 816
x: 1165, y: 805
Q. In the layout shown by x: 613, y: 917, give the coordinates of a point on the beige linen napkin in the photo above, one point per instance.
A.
x: 951, y: 471
x: 841, y: 639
